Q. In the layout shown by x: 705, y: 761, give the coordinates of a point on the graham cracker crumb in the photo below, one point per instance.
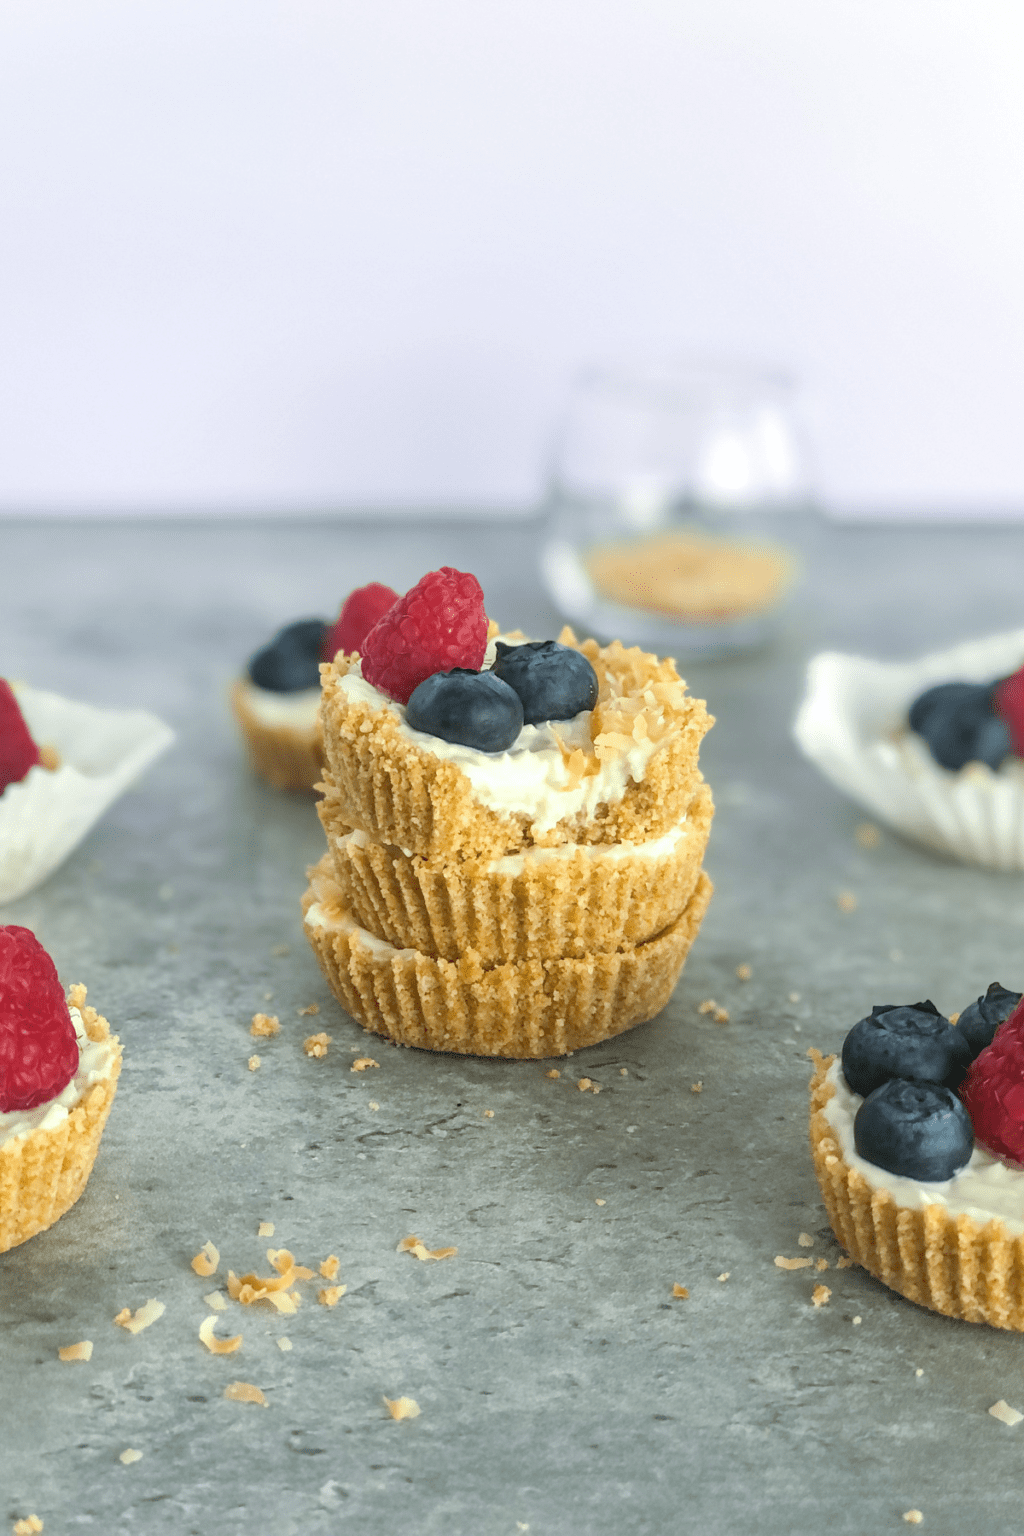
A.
x: 805, y: 1240
x: 488, y: 1114
x: 623, y: 1071
x: 244, y: 1392
x: 697, y: 1087
x: 128, y: 1456
x: 265, y: 1229
x: 1004, y: 1413
x: 954, y: 1018
x: 309, y: 1010
x: 554, y: 1072
x: 214, y: 1345
x: 868, y: 835
x: 362, y: 1062
x: 680, y: 1291
x: 781, y: 1262
x: 587, y: 1085
x: 264, y: 1025
x: 723, y: 1277
x: 49, y: 758
x: 744, y: 971
x: 421, y: 1251
x: 330, y: 1295
x: 216, y: 1301
x: 254, y: 1063
x: 717, y: 1012
x: 402, y: 1407
x: 844, y: 1262
x: 373, y: 1104
x: 846, y: 901
x: 600, y: 1202
x: 316, y: 1045
x: 913, y: 1517
x: 30, y: 1526
x: 82, y: 1351
x: 206, y: 1261
x: 820, y: 1295
x: 284, y: 1344
x: 820, y: 1264
x: 136, y: 1321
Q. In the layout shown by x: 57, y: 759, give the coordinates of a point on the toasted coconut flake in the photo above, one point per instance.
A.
x: 255, y: 1062
x: 421, y: 1251
x: 136, y: 1321
x: 82, y: 1351
x: 265, y: 1229
x: 1005, y: 1414
x: 214, y: 1345
x: 781, y: 1262
x: 284, y: 1344
x: 587, y: 1085
x: 600, y: 1202
x: 553, y: 1073
x: 820, y: 1295
x: 206, y: 1261
x: 216, y: 1301
x: 127, y: 1457
x: 330, y: 1266
x: 680, y: 1291
x: 316, y: 1045
x: 30, y: 1526
x: 330, y: 1295
x: 697, y: 1087
x: 286, y: 1303
x: 362, y: 1062
x: 402, y: 1407
x: 310, y: 1010
x: 488, y: 1114
x: 264, y: 1025
x: 234, y: 1285
x: 244, y: 1392
x: 723, y: 1277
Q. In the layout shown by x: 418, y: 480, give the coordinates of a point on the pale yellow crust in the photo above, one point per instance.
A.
x: 43, y: 1173
x: 403, y: 795
x: 283, y: 755
x: 561, y: 906
x: 529, y: 1008
x: 947, y: 1263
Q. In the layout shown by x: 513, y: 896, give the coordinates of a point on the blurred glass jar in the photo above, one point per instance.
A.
x: 674, y: 498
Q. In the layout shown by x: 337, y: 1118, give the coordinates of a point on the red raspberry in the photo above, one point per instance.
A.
x: 18, y: 752
x: 359, y: 613
x: 439, y: 624
x: 38, y: 1047
x: 994, y: 1090
x: 1008, y: 699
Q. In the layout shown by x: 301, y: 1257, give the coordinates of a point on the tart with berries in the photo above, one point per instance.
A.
x: 515, y: 831
x: 917, y: 1137
x: 277, y: 701
x: 59, y: 1066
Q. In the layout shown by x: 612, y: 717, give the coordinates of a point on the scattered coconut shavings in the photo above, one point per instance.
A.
x: 214, y: 1345
x: 680, y: 1291
x: 362, y: 1062
x: 264, y: 1025
x: 820, y: 1295
x: 697, y: 1087
x: 717, y: 1012
x: 781, y: 1262
x: 30, y: 1526
x: 330, y: 1266
x: 723, y: 1277
x: 805, y: 1240
x: 284, y: 1344
x: 868, y: 835
x: 254, y: 1063
x: 127, y: 1457
x: 82, y: 1351
x: 265, y: 1229
x: 216, y: 1301
x: 821, y: 1264
x: 309, y: 1011
x: 587, y: 1085
x: 330, y: 1295
x: 421, y: 1251
x: 316, y: 1045
x: 402, y: 1407
x: 554, y: 1072
x: 136, y: 1321
x: 1005, y: 1414
x: 844, y: 1262
x: 284, y: 1263
x: 744, y: 972
x: 913, y: 1517
x: 488, y: 1114
x: 206, y: 1261
x: 846, y: 901
x: 244, y: 1392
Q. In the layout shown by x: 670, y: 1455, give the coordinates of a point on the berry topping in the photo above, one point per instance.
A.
x: 291, y: 661
x: 980, y: 1020
x: 38, y: 1047
x: 554, y: 681
x: 474, y: 709
x: 18, y: 752
x: 916, y: 1130
x: 359, y: 613
x: 911, y: 1042
x: 994, y: 1090
x: 959, y: 723
x: 1008, y: 697
x: 438, y: 625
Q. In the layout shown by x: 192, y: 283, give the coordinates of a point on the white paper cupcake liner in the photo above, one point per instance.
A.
x: 45, y: 816
x: 853, y: 726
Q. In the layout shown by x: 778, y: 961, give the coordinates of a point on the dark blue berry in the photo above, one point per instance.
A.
x: 959, y: 723
x: 554, y: 681
x: 915, y: 1041
x: 979, y: 1021
x: 472, y: 709
x: 917, y: 1130
x: 292, y: 659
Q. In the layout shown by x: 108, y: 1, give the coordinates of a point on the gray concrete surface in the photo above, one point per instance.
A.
x: 562, y: 1388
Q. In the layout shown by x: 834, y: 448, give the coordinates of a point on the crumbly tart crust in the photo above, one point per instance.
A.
x: 43, y: 1172
x: 950, y: 1264
x: 389, y: 787
x: 285, y: 756
x: 550, y: 904
x: 528, y: 1008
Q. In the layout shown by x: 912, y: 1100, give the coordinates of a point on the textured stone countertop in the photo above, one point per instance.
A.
x: 562, y: 1388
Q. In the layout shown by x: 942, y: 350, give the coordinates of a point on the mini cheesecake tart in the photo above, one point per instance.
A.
x: 281, y: 733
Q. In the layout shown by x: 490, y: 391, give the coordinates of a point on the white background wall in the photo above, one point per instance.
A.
x: 326, y: 253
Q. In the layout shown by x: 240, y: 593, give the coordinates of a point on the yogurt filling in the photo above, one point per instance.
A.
x: 531, y: 778
x: 96, y: 1060
x: 295, y: 709
x: 986, y: 1188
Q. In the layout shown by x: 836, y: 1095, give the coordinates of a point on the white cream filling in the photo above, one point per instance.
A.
x: 515, y: 863
x: 95, y: 1062
x: 531, y: 777
x: 316, y: 917
x: 298, y: 710
x: 985, y: 1188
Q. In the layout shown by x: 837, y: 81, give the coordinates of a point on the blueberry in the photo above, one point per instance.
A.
x: 959, y: 723
x: 915, y: 1041
x: 292, y: 659
x: 472, y: 709
x: 917, y: 1130
x: 980, y: 1020
x: 554, y: 681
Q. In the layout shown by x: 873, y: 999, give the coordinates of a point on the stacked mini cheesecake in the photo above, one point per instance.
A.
x: 521, y: 901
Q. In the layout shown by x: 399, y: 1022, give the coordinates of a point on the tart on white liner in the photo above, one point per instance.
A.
x: 852, y: 725
x: 46, y: 815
